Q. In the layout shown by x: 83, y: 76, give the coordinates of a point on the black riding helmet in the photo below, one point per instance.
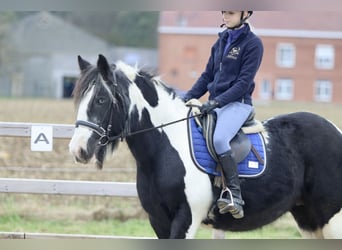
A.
x: 242, y: 20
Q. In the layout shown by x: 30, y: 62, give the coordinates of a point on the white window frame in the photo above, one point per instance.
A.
x: 265, y: 90
x: 284, y: 89
x: 324, y: 56
x: 286, y: 55
x: 323, y: 91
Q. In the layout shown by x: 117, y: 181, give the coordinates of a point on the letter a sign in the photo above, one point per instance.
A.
x: 41, y: 138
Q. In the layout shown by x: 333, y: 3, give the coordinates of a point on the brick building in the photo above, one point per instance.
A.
x: 302, y: 52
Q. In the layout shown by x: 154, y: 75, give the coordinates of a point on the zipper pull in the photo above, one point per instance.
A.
x: 220, y: 66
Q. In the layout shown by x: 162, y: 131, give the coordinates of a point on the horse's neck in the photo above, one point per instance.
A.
x: 146, y: 146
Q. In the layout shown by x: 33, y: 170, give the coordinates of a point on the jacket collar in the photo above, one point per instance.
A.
x: 224, y: 34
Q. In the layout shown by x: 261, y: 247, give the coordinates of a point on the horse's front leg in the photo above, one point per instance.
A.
x: 181, y: 223
x: 174, y: 227
x: 160, y: 226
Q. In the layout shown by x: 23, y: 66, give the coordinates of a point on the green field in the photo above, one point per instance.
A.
x: 98, y: 215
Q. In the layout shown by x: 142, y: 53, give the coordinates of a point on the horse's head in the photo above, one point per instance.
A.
x: 116, y: 101
x: 102, y: 112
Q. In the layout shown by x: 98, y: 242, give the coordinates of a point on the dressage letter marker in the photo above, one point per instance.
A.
x: 41, y: 138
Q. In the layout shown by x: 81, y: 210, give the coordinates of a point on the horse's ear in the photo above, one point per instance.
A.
x: 83, y: 64
x: 104, y: 68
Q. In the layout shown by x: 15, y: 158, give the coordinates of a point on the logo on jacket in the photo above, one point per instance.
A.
x: 233, y: 53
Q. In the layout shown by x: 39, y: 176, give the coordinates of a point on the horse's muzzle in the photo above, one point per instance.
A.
x: 82, y: 156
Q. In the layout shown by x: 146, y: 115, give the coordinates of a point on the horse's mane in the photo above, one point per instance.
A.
x: 156, y: 80
x: 149, y: 77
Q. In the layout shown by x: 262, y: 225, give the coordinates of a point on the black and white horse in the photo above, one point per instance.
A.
x: 304, y: 157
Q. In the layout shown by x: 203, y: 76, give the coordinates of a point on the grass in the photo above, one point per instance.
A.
x: 81, y: 215
x: 100, y: 215
x: 13, y: 222
x: 132, y: 227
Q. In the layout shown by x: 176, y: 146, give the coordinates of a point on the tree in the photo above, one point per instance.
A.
x: 6, y: 20
x: 120, y: 28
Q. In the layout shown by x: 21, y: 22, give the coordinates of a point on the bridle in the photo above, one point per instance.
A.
x: 97, y: 129
x: 104, y: 134
x: 100, y: 131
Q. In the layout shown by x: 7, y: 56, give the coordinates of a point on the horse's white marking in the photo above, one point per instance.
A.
x: 311, y: 235
x: 139, y: 102
x: 129, y: 71
x: 333, y: 230
x: 81, y: 135
x: 109, y: 92
x: 197, y: 184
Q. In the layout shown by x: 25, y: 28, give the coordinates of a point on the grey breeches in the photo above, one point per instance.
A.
x: 230, y: 118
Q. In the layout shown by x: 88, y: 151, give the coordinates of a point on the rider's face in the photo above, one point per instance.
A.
x: 231, y: 18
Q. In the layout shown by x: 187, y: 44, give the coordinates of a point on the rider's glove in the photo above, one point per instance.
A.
x: 186, y: 98
x: 209, y: 106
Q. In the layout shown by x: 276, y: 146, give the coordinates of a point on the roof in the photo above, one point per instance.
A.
x: 46, y: 33
x: 297, y: 21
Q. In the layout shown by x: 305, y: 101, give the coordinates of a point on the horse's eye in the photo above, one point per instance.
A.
x: 101, y: 100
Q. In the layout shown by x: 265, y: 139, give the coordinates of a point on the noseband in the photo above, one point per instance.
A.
x: 100, y: 131
x: 103, y: 133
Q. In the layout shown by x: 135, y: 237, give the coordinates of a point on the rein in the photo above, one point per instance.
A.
x: 104, y: 134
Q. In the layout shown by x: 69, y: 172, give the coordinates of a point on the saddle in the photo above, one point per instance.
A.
x: 240, y: 144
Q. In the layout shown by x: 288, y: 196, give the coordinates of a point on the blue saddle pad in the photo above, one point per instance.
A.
x: 249, y: 167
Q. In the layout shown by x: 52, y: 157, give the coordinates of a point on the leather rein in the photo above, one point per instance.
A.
x: 104, y: 134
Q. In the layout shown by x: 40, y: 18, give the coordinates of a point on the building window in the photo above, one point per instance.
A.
x: 324, y: 56
x: 68, y: 86
x: 265, y: 90
x: 284, y: 89
x: 181, y: 20
x: 286, y: 55
x: 323, y: 91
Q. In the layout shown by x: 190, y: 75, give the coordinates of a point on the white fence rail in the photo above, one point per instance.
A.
x: 21, y: 129
x: 66, y: 187
x: 23, y: 235
x: 63, y: 187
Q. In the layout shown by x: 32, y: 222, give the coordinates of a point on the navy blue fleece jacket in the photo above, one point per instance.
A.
x: 229, y: 76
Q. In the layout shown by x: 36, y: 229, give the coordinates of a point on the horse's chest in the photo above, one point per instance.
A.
x: 160, y: 188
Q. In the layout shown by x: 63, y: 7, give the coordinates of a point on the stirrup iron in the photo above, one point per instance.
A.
x: 234, y: 208
x: 226, y: 189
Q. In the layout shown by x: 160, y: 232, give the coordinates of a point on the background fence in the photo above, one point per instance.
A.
x: 60, y: 187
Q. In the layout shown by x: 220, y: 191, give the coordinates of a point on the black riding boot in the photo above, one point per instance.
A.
x: 230, y: 199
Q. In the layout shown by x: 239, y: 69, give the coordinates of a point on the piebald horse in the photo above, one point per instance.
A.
x: 304, y: 157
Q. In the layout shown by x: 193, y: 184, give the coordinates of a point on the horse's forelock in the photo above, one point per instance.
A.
x: 83, y: 82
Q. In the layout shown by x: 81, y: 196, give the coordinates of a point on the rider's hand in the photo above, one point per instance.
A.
x: 209, y: 106
x: 185, y: 98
